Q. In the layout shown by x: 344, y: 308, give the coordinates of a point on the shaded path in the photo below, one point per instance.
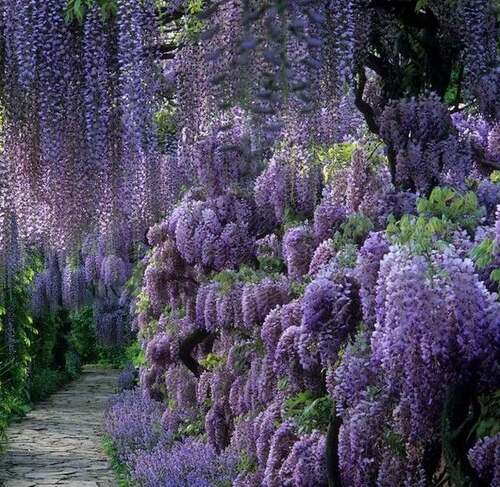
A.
x: 59, y: 442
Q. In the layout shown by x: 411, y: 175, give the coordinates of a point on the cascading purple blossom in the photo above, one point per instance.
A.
x: 484, y: 457
x: 296, y: 470
x: 85, y: 95
x: 329, y: 315
x: 425, y: 340
x: 290, y: 182
x: 367, y: 268
x: 418, y: 131
x: 215, y: 233
x: 298, y: 250
x: 328, y: 216
x: 280, y: 446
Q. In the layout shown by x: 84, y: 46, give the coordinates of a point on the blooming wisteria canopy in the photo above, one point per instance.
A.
x: 291, y: 208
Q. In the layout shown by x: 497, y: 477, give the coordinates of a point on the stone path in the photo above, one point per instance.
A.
x: 59, y: 442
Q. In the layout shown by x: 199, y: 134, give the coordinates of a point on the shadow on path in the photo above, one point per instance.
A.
x: 59, y: 442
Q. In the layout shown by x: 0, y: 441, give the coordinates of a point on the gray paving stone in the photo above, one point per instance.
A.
x: 58, y: 443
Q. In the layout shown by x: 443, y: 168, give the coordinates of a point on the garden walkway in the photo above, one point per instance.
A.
x: 59, y: 441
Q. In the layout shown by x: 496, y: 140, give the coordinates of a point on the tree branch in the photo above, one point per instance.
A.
x: 165, y: 15
x: 188, y: 345
x: 332, y: 456
x: 166, y: 51
x: 362, y: 105
x: 459, y: 414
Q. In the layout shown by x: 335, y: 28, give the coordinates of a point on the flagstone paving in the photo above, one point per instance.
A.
x: 59, y: 442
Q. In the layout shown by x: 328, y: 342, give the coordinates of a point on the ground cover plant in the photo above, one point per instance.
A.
x: 281, y: 218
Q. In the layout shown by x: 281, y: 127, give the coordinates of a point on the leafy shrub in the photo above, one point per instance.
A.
x: 135, y: 354
x: 353, y: 231
x: 462, y: 210
x: 82, y: 335
x: 73, y: 364
x: 308, y: 411
x: 120, y: 469
x: 45, y: 382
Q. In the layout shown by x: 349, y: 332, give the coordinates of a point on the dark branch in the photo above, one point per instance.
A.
x: 166, y: 51
x: 377, y: 64
x: 362, y: 105
x: 188, y: 345
x: 461, y: 412
x: 490, y: 163
x: 408, y: 14
x: 166, y: 16
x: 332, y: 457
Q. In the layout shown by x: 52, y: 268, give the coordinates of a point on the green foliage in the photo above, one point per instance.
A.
x: 243, y: 351
x: 15, y: 365
x: 353, y: 231
x: 291, y: 219
x: 191, y: 428
x: 193, y: 24
x: 212, y: 361
x: 119, y: 357
x: 495, y: 275
x: 226, y: 279
x: 488, y: 423
x: 112, y: 357
x: 11, y: 406
x: 56, y: 353
x: 165, y: 121
x: 134, y: 354
x: 420, y: 234
x: 333, y: 158
x: 298, y: 288
x: 395, y: 442
x: 347, y: 255
x: 283, y: 384
x: 308, y: 411
x: 120, y: 470
x: 247, y: 463
x: 45, y: 382
x: 483, y: 254
x: 82, y: 335
x: 495, y: 177
x: 142, y: 303
x: 76, y: 10
x: 15, y: 306
x: 463, y: 211
x: 134, y: 283
x: 438, y: 217
x: 72, y: 364
x: 450, y: 96
x: 271, y: 265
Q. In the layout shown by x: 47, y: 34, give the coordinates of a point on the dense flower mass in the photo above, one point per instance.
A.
x: 79, y: 136
x: 484, y: 457
x: 291, y: 210
x: 185, y: 464
x: 133, y: 421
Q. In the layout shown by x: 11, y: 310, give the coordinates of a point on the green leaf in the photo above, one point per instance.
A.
x: 495, y: 177
x: 483, y: 254
x: 78, y: 8
x: 495, y: 275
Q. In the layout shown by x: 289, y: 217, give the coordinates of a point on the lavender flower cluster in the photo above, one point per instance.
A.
x: 322, y: 308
